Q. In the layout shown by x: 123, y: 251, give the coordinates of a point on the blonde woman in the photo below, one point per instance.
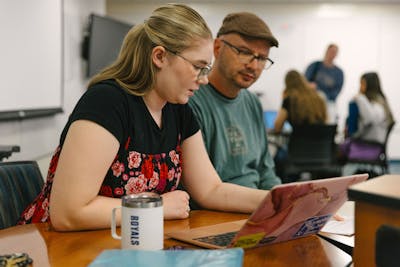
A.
x: 301, y: 104
x: 132, y: 131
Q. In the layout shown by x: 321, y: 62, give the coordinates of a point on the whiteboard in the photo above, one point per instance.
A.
x: 30, y: 56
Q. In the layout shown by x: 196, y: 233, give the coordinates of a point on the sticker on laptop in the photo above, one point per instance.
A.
x: 249, y: 241
x: 312, y: 225
x: 267, y: 239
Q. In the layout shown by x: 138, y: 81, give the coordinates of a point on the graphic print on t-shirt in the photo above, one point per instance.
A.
x: 237, y: 145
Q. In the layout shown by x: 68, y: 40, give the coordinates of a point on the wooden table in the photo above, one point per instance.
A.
x: 377, y: 203
x: 50, y: 248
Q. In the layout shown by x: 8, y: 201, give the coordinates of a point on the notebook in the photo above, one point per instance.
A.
x: 269, y: 120
x: 169, y: 258
x: 288, y: 211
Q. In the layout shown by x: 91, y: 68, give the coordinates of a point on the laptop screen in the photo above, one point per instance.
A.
x: 269, y: 120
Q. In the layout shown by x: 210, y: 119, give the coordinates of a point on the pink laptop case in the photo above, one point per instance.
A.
x: 295, y: 210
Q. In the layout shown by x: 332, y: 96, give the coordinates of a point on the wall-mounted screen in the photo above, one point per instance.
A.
x: 103, y: 42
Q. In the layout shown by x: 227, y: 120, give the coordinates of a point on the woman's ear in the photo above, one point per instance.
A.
x: 158, y: 56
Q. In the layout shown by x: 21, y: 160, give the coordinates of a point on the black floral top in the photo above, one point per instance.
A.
x: 149, y: 158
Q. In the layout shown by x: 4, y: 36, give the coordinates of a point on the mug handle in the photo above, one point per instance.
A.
x: 114, y: 224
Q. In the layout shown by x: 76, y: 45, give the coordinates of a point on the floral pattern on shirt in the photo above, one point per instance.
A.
x: 131, y: 172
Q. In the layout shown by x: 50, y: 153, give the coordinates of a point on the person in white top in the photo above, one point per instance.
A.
x: 369, y: 113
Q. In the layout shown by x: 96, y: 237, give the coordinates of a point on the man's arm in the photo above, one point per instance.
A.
x: 334, y: 92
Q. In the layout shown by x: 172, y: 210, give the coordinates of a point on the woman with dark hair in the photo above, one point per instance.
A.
x: 367, y: 124
x: 369, y: 113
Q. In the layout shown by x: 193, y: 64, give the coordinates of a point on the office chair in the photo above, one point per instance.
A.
x: 20, y: 183
x: 311, y: 153
x: 369, y: 154
x: 387, y: 245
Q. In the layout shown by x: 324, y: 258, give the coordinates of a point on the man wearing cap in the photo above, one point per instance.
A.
x: 230, y: 116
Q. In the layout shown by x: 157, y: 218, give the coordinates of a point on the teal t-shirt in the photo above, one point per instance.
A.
x: 235, y: 137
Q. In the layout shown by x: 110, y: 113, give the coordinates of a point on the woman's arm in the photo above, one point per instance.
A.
x: 280, y: 120
x: 204, y: 185
x: 86, y: 156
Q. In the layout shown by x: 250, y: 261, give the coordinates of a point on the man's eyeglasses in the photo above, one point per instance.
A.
x: 247, y: 57
x: 203, y: 71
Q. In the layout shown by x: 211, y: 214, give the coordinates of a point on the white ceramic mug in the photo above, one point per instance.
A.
x: 142, y: 222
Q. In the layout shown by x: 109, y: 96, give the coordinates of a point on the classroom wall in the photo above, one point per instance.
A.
x: 40, y: 22
x: 367, y: 35
x: 39, y: 137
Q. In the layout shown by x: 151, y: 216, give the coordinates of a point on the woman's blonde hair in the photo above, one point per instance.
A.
x: 174, y: 26
x: 306, y: 105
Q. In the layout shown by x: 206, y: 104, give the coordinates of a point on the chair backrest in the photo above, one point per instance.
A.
x: 387, y: 245
x: 312, y: 144
x: 371, y: 152
x: 389, y: 130
x: 20, y: 183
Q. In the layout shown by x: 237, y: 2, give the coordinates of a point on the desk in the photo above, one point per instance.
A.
x: 278, y: 139
x: 50, y: 248
x: 377, y: 202
x: 346, y: 243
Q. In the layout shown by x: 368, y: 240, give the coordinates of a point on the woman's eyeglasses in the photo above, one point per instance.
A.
x: 203, y: 70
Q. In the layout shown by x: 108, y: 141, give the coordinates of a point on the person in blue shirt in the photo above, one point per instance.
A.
x: 328, y: 78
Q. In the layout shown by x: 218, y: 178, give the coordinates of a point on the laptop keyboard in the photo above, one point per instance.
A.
x: 222, y: 240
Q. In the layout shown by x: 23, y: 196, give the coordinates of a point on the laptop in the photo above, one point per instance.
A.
x: 269, y: 120
x: 288, y: 211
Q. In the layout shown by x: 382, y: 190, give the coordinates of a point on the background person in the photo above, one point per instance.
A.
x: 328, y: 78
x: 301, y: 105
x: 369, y: 116
x: 230, y: 116
x: 132, y: 131
x: 369, y: 113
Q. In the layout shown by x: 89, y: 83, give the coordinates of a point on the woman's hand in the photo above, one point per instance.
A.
x: 176, y: 205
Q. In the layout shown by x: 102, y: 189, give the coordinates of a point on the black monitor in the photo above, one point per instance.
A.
x: 102, y: 42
